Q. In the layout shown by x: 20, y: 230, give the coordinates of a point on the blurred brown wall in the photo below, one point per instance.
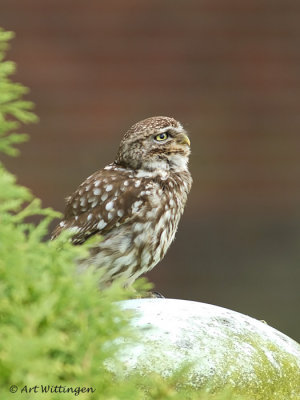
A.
x: 230, y: 72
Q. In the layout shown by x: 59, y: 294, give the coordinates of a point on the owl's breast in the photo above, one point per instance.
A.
x: 161, y: 219
x: 136, y: 246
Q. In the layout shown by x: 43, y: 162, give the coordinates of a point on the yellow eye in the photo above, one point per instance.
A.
x: 161, y: 137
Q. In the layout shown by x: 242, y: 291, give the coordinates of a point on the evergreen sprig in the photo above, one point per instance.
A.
x: 13, y: 109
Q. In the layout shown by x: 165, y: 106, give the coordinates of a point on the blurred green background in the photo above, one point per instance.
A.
x: 230, y: 72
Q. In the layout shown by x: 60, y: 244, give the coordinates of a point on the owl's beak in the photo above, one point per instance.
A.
x: 183, y: 139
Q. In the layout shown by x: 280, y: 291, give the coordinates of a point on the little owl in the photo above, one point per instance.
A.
x: 134, y: 204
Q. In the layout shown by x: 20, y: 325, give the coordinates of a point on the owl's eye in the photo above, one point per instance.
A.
x: 162, y: 136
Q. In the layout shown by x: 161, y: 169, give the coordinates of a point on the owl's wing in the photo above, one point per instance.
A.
x: 105, y: 200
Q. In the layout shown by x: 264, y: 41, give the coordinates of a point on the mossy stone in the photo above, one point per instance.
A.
x: 224, y: 349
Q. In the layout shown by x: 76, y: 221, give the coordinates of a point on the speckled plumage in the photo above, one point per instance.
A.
x: 134, y: 203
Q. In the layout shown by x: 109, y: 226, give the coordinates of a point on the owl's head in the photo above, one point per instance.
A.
x: 155, y: 143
